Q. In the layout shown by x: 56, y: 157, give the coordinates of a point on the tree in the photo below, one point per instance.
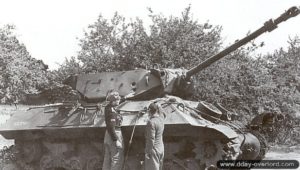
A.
x: 285, y: 71
x: 69, y: 67
x: 20, y: 73
x: 117, y: 45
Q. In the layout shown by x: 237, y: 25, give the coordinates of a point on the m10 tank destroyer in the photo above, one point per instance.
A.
x: 69, y: 136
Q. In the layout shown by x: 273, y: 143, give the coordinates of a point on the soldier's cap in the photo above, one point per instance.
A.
x: 113, y: 96
x: 153, y: 107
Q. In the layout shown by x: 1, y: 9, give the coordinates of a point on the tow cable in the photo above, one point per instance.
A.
x: 131, y: 137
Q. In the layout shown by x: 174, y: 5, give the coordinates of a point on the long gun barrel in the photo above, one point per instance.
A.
x: 268, y: 26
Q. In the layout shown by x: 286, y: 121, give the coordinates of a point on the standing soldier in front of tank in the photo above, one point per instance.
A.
x: 113, y: 140
x: 154, y: 152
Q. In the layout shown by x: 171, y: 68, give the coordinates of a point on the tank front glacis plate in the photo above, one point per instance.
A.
x: 23, y: 120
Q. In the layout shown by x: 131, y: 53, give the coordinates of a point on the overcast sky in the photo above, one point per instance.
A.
x: 50, y: 28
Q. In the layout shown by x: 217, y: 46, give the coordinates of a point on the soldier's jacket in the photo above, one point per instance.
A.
x: 113, y: 121
x: 154, y: 134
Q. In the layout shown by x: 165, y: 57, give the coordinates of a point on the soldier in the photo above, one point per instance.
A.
x: 113, y: 140
x: 154, y: 152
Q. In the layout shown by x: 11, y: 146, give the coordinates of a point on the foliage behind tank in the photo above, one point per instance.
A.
x: 197, y: 134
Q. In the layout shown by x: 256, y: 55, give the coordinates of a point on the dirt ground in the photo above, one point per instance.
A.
x: 286, y: 153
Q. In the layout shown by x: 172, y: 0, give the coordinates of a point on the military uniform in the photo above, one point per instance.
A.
x: 154, y: 143
x: 114, y: 156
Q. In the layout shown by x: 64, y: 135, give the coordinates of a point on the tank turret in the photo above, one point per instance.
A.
x: 145, y: 84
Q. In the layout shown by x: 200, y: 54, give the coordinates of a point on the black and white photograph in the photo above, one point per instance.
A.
x: 149, y: 85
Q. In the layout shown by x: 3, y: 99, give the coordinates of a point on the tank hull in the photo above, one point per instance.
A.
x: 71, y: 137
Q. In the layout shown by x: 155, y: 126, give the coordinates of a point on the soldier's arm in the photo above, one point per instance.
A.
x: 150, y: 136
x: 110, y: 120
